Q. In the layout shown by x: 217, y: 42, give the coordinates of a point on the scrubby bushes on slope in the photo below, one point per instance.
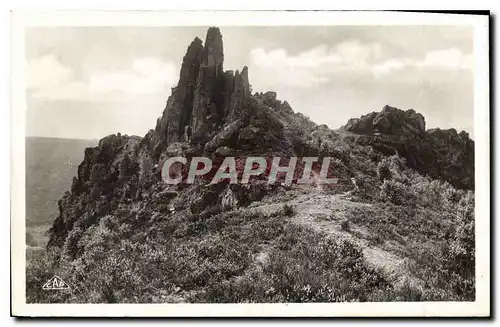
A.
x: 211, y: 259
x: 403, y: 186
x: 303, y: 266
x: 431, y: 223
x: 393, y: 191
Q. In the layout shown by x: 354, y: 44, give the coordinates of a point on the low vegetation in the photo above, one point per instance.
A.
x: 138, y: 254
x: 209, y: 260
x: 430, y: 223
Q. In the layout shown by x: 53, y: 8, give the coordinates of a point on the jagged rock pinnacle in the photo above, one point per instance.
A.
x: 213, y: 53
x: 177, y: 113
x: 205, y: 98
x: 209, y: 94
x: 240, y: 94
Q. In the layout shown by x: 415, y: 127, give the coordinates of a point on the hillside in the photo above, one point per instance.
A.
x: 383, y: 232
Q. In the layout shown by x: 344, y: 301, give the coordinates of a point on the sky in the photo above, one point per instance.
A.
x: 89, y: 82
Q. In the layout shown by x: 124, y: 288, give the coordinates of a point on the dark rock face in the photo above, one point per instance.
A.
x: 455, y: 153
x: 363, y: 125
x: 443, y: 154
x: 178, y: 112
x: 240, y: 94
x: 224, y: 137
x: 210, y: 87
x: 116, y: 170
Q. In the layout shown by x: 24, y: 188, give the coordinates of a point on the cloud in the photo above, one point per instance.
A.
x: 349, y: 59
x: 389, y: 66
x: 49, y: 79
x: 148, y: 75
x: 314, y: 66
x: 448, y: 58
x: 47, y: 72
x: 354, y: 53
x: 309, y: 59
x: 443, y: 59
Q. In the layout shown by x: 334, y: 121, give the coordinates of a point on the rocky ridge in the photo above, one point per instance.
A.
x: 442, y: 154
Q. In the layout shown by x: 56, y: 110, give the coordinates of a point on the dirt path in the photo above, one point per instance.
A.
x: 324, y: 213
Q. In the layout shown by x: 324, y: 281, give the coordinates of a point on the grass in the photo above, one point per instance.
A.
x: 303, y: 266
x: 210, y: 259
x: 402, y: 224
x: 425, y: 237
x: 144, y: 254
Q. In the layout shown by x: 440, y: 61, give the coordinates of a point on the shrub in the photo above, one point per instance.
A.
x: 451, y: 195
x: 38, y: 271
x: 367, y: 188
x: 344, y: 225
x: 302, y: 269
x: 391, y: 168
x: 71, y: 247
x: 461, y: 251
x: 330, y: 270
x: 429, y: 192
x: 434, y: 193
x: 383, y: 170
x: 288, y: 210
x: 438, y: 246
x: 394, y: 192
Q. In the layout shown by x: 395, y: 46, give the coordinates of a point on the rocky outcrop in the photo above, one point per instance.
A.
x: 178, y: 112
x: 210, y: 88
x: 390, y: 120
x: 443, y: 154
x: 363, y: 125
x: 239, y: 102
x: 224, y: 137
x: 206, y: 97
x: 455, y: 153
x: 116, y: 170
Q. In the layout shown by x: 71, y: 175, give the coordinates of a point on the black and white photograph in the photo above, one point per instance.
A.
x: 179, y: 160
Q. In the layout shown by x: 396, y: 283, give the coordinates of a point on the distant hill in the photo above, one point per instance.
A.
x: 51, y: 164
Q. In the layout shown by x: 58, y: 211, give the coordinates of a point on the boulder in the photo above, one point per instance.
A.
x: 225, y: 136
x: 248, y: 133
x: 224, y: 151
